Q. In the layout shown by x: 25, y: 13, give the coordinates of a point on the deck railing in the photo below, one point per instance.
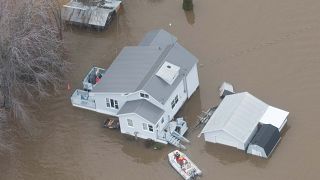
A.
x: 87, y: 85
x: 81, y: 98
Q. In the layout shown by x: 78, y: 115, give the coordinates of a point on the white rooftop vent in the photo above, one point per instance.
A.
x: 168, y: 72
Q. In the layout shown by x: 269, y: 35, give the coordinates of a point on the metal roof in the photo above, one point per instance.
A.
x: 275, y: 116
x: 128, y: 70
x: 77, y: 12
x: 267, y: 137
x: 158, y: 37
x: 237, y: 115
x: 143, y: 108
x: 179, y: 56
x: 135, y: 68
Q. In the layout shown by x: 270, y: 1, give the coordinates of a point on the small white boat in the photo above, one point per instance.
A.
x: 183, y: 165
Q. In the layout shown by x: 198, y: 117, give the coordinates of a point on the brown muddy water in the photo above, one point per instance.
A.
x: 269, y: 48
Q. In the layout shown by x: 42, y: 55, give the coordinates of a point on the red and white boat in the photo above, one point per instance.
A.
x: 183, y: 165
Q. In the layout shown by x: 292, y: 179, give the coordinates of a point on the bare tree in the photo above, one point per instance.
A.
x: 32, y: 62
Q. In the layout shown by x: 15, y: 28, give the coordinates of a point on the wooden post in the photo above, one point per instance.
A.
x: 136, y: 135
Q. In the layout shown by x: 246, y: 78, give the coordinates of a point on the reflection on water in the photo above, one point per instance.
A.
x: 229, y: 155
x: 155, y: 1
x: 190, y: 17
x: 189, y: 111
x: 71, y: 143
x: 225, y: 154
x: 141, y: 152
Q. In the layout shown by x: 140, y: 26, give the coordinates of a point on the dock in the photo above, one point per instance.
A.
x: 98, y: 15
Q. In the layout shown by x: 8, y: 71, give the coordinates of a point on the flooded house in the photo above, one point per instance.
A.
x: 97, y: 14
x: 144, y: 88
x: 240, y: 120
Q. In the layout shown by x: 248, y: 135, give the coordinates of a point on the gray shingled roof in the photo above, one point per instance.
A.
x: 158, y: 37
x: 267, y: 137
x: 135, y: 67
x: 144, y: 109
x: 178, y: 56
x: 77, y: 12
x: 128, y: 70
x: 238, y: 115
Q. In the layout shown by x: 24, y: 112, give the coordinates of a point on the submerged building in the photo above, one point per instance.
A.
x: 144, y: 88
x: 241, y: 118
x: 264, y: 141
x: 98, y: 14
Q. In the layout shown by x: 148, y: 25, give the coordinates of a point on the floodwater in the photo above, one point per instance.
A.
x: 269, y: 48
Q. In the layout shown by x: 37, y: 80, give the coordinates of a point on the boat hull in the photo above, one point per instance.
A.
x: 188, y: 171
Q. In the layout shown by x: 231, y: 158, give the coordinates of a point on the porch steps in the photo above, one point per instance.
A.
x: 180, y: 137
x: 175, y: 141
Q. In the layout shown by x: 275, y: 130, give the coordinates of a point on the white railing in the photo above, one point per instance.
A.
x: 87, y: 84
x: 81, y: 98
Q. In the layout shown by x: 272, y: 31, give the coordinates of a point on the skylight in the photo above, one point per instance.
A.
x: 168, y: 72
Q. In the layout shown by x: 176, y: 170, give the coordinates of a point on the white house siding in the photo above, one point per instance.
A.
x: 224, y: 138
x: 166, y: 120
x: 137, y: 126
x: 253, y: 132
x: 101, y: 105
x: 182, y: 98
x: 192, y: 80
x: 256, y: 150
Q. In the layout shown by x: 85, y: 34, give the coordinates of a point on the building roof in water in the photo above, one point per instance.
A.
x: 267, y: 137
x: 77, y: 12
x: 135, y: 68
x: 128, y: 70
x: 144, y: 109
x: 239, y: 114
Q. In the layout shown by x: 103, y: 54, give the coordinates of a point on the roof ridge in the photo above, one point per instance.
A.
x: 222, y: 127
x: 156, y: 66
x: 154, y: 33
x: 245, y: 96
x: 232, y: 115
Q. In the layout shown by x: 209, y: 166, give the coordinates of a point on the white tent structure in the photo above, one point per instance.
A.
x: 235, y: 121
x: 274, y: 116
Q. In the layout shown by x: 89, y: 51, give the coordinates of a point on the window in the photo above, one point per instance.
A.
x: 145, y: 126
x: 150, y: 127
x: 174, y: 101
x: 144, y: 95
x: 112, y: 103
x: 116, y: 104
x: 108, y: 102
x: 130, y: 123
